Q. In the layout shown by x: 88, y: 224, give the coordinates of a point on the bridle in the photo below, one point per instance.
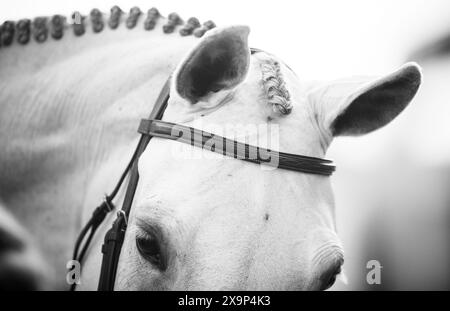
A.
x: 155, y: 127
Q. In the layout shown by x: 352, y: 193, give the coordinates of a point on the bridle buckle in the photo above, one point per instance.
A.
x: 121, y: 213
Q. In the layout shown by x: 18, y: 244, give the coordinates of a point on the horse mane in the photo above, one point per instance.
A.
x: 40, y: 28
x: 274, y: 85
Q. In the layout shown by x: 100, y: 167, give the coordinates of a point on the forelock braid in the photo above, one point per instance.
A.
x: 275, y: 86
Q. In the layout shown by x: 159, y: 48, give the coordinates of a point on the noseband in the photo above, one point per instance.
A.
x: 155, y: 127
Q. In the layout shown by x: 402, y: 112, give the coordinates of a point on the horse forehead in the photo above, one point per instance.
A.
x: 294, y: 113
x: 227, y: 183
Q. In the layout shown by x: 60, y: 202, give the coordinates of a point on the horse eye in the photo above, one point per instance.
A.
x: 149, y: 248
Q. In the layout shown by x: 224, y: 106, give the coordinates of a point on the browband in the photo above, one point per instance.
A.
x: 245, y: 152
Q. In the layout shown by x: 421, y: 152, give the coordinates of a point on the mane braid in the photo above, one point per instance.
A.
x: 114, y: 18
x: 78, y: 26
x: 40, y: 28
x: 275, y: 87
x: 58, y: 22
x: 97, y: 20
x: 23, y: 31
x: 152, y: 17
x: 133, y: 17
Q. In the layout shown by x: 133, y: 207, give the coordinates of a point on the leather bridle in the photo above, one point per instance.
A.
x: 155, y: 127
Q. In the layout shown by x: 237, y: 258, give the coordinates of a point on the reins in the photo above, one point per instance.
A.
x: 114, y: 237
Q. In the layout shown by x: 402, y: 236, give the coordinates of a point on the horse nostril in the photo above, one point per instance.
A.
x: 329, y: 276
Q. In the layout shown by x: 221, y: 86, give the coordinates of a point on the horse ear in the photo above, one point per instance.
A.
x: 220, y: 61
x: 361, y: 105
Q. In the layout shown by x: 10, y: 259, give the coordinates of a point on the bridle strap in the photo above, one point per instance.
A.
x: 115, y: 236
x: 235, y: 149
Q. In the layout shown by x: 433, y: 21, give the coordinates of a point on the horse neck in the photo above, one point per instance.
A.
x: 83, y: 95
x: 69, y: 111
x: 35, y: 53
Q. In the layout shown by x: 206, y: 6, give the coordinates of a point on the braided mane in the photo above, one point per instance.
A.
x: 274, y: 85
x: 40, y: 28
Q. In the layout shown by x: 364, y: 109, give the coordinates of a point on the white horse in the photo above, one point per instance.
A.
x: 69, y: 113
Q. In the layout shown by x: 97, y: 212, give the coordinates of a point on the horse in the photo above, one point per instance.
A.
x: 71, y: 97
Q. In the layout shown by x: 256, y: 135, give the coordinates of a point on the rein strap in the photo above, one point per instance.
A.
x: 115, y: 236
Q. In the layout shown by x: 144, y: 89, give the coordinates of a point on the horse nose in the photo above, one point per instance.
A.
x: 329, y: 274
x: 327, y: 263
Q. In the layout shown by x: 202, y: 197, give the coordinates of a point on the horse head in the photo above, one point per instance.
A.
x: 204, y: 222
